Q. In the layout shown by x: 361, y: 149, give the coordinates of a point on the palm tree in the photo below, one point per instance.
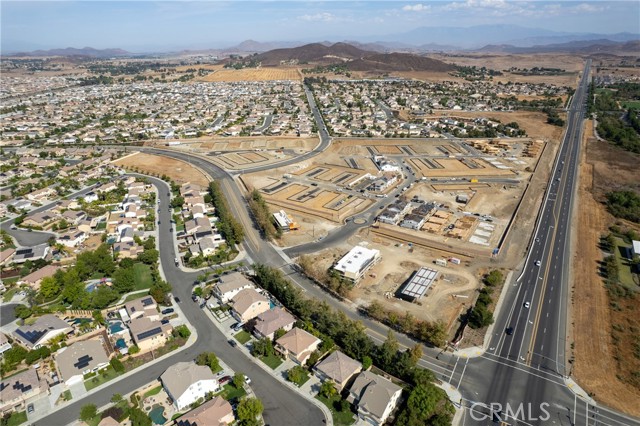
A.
x: 328, y: 389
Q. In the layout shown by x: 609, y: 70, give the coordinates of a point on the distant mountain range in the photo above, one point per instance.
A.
x: 71, y: 51
x: 581, y: 47
x: 507, y: 38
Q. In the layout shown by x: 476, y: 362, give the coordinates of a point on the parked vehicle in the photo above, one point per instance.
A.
x: 167, y: 311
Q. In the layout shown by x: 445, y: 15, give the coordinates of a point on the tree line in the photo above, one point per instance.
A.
x: 229, y: 227
x: 426, y: 402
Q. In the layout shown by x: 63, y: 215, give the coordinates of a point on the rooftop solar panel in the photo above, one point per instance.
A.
x: 149, y: 333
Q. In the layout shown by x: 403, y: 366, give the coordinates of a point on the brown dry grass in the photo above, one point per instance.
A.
x: 596, y: 368
x: 254, y: 74
x: 179, y: 171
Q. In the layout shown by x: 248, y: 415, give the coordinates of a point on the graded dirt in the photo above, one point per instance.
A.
x: 157, y: 165
x: 599, y: 363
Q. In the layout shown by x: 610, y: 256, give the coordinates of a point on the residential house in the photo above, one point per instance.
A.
x: 72, y: 238
x: 267, y: 323
x: 248, y: 304
x: 73, y: 216
x: 215, y: 412
x: 41, y: 331
x: 149, y: 334
x: 230, y: 285
x: 298, y: 345
x: 17, y: 389
x: 6, y: 256
x: 142, y: 307
x: 31, y: 253
x: 186, y: 382
x: 41, y: 195
x: 21, y: 204
x: 389, y: 216
x: 413, y: 221
x: 338, y: 368
x: 374, y: 397
x: 128, y: 250
x: 5, y: 345
x: 90, y: 197
x: 207, y: 245
x: 109, y: 421
x: 126, y: 235
x: 81, y: 358
x: 40, y: 219
x: 35, y: 278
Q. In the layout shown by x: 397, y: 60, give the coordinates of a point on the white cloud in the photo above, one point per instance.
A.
x: 318, y: 17
x: 587, y: 8
x: 416, y: 7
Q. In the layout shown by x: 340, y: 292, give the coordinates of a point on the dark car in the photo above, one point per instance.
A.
x: 234, y: 325
x: 509, y: 331
x: 167, y: 311
x: 233, y: 343
x: 30, y: 408
x: 164, y: 321
x: 194, y: 297
x: 177, y: 299
x: 225, y: 379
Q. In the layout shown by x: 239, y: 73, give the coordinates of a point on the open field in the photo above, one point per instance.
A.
x: 177, y: 170
x: 599, y: 363
x: 253, y: 74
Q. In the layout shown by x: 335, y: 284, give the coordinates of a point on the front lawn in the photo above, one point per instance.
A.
x: 243, y: 337
x: 17, y: 418
x: 142, y: 276
x: 102, y: 377
x: 340, y: 418
x: 230, y: 392
x: 272, y: 361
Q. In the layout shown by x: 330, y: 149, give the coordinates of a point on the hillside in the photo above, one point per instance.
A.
x: 581, y: 47
x: 315, y: 52
x: 398, y: 62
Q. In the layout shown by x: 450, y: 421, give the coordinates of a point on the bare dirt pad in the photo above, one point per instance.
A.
x: 254, y: 74
x: 177, y: 170
x: 596, y: 368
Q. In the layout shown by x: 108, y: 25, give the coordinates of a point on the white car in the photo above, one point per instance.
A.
x: 526, y: 305
x: 538, y: 263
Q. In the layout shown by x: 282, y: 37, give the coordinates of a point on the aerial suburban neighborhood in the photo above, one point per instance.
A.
x: 434, y: 223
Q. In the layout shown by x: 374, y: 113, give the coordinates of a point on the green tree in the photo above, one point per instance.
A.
x: 328, y: 389
x: 238, y: 380
x: 124, y: 280
x: 209, y: 359
x: 297, y: 374
x: 117, y: 365
x: 88, y: 412
x: 159, y: 290
x: 23, y: 312
x: 387, y: 351
x: 182, y: 331
x: 150, y: 257
x: 116, y: 398
x: 139, y: 417
x: 49, y: 288
x: 366, y: 362
x: 134, y: 349
x: 249, y: 410
x: 262, y: 347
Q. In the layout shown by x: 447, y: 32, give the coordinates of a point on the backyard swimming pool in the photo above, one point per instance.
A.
x: 157, y: 415
x: 115, y: 327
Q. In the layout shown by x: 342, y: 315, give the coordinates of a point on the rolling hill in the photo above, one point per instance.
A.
x: 71, y: 51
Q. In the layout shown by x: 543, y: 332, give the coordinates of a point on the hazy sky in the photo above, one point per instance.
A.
x: 162, y: 25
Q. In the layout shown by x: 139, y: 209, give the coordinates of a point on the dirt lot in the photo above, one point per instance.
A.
x: 599, y: 363
x: 445, y: 299
x: 254, y: 74
x: 177, y: 170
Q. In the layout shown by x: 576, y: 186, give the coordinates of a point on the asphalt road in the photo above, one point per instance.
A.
x: 282, y: 406
x: 7, y: 315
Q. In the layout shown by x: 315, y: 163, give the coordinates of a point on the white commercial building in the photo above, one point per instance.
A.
x: 357, y: 262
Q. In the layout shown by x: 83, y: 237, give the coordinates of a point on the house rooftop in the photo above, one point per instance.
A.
x: 177, y: 378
